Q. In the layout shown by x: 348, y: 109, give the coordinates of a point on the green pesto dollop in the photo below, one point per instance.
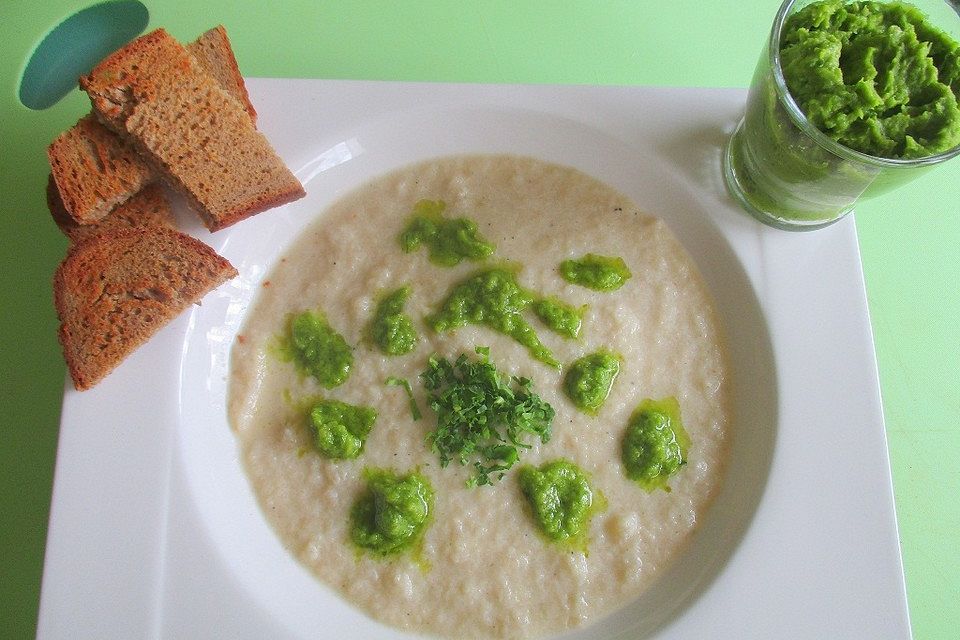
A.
x: 391, y: 329
x: 392, y: 512
x: 317, y: 350
x: 560, y: 499
x: 559, y: 316
x: 338, y: 430
x: 494, y: 299
x: 449, y: 241
x: 655, y: 443
x: 877, y: 77
x: 589, y: 379
x: 600, y: 273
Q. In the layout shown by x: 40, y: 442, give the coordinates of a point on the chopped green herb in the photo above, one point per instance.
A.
x: 559, y: 316
x: 481, y: 415
x: 600, y: 273
x: 316, y: 349
x: 402, y: 382
x: 339, y: 430
x: 391, y: 329
x: 449, y: 240
x: 494, y: 299
x: 392, y: 513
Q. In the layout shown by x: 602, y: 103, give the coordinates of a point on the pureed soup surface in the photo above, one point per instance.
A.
x: 483, y: 569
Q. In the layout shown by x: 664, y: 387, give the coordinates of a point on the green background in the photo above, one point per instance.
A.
x: 908, y: 238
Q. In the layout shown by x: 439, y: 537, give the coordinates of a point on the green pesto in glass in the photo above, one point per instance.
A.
x: 561, y: 318
x: 494, y: 299
x: 877, y: 77
x: 560, y: 498
x: 392, y: 513
x: 317, y: 350
x: 655, y: 444
x: 449, y: 240
x: 600, y: 273
x: 589, y: 379
x: 392, y: 330
x: 339, y: 430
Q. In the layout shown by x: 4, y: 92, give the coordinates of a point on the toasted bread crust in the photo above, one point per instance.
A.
x: 112, y: 83
x: 158, y: 97
x: 214, y: 53
x: 149, y: 207
x: 116, y: 289
x: 94, y: 171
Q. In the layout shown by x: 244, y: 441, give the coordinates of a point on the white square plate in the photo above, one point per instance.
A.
x: 155, y: 533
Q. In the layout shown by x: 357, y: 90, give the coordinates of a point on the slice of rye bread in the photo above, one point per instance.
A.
x: 159, y: 98
x: 116, y: 289
x: 95, y: 170
x: 149, y: 207
x: 214, y: 53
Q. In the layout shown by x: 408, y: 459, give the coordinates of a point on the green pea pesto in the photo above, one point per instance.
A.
x: 655, y: 444
x: 449, y: 241
x: 560, y: 499
x: 560, y: 317
x: 391, y: 330
x: 317, y: 350
x: 494, y: 299
x: 600, y: 273
x: 392, y: 513
x: 589, y: 379
x: 877, y: 77
x: 338, y: 430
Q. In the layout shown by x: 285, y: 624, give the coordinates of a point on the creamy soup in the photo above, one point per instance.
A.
x: 482, y: 569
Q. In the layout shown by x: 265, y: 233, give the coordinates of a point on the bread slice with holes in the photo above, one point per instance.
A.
x: 149, y: 207
x: 215, y: 55
x: 115, y: 290
x: 155, y: 95
x: 95, y: 171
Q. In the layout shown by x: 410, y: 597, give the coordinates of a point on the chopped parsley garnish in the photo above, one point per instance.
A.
x: 394, y: 381
x: 483, y: 417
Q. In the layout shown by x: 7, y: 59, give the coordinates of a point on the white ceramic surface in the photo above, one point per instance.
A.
x: 155, y: 533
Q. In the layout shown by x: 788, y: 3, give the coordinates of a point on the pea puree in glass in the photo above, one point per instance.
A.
x: 849, y: 100
x: 876, y: 77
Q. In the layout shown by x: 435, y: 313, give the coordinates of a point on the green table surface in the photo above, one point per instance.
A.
x: 908, y: 238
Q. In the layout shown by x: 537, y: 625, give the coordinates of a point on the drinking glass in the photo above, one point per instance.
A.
x: 786, y: 172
